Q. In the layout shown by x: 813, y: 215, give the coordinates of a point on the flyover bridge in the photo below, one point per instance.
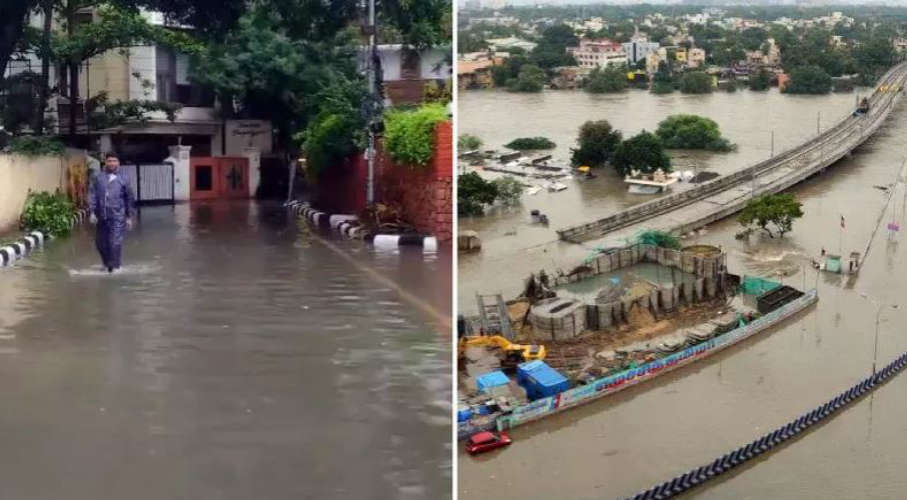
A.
x: 714, y: 200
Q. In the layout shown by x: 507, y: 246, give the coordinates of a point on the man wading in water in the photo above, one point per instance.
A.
x: 111, y: 204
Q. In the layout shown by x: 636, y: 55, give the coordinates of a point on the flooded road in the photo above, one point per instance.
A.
x: 644, y: 435
x: 236, y: 356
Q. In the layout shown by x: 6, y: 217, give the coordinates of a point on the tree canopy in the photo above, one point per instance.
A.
x: 597, y: 142
x: 531, y: 78
x: 696, y: 82
x: 772, y: 210
x: 642, y: 152
x: 607, y: 80
x: 474, y: 193
x: 691, y: 132
x: 809, y: 80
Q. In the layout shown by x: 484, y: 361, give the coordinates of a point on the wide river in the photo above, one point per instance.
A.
x: 236, y: 356
x: 652, y: 432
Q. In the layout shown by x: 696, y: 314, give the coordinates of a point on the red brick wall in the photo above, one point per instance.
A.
x: 425, y: 193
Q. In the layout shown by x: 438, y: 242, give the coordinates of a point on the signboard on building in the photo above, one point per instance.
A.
x: 243, y: 134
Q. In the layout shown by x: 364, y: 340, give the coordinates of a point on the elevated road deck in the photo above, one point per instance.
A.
x: 714, y: 200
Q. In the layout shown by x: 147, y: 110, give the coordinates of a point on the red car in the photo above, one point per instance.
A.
x: 481, y: 442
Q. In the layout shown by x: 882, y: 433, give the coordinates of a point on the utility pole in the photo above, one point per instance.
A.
x: 372, y: 54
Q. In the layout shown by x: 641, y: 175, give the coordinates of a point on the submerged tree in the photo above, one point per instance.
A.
x: 691, y: 132
x: 597, y: 143
x: 642, y: 152
x: 473, y: 193
x: 779, y: 210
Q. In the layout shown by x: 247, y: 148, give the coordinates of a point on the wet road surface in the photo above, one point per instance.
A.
x: 644, y: 435
x: 234, y: 357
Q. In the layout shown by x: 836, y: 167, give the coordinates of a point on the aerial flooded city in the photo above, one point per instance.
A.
x: 684, y: 269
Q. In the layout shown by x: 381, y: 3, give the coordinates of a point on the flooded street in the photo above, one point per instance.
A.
x: 235, y: 357
x: 646, y: 434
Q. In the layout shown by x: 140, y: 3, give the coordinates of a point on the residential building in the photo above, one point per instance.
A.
x: 406, y: 72
x: 598, y: 52
x: 639, y: 47
x: 696, y: 57
x: 509, y: 43
x: 475, y: 73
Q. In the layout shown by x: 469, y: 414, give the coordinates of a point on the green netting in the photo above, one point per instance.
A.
x: 753, y: 285
x: 656, y: 238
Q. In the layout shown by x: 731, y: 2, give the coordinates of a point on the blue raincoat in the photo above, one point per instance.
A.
x: 111, y: 200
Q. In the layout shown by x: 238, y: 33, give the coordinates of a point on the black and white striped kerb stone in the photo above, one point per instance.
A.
x: 347, y: 225
x: 316, y: 217
x: 388, y: 241
x: 19, y: 249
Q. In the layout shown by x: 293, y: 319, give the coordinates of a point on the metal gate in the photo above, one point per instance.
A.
x: 151, y: 183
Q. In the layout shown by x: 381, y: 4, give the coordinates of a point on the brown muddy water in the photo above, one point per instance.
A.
x: 234, y: 357
x: 627, y: 442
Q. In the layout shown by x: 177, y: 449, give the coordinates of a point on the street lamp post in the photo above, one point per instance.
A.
x: 879, y: 309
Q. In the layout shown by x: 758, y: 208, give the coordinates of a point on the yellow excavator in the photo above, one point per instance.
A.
x: 514, y: 354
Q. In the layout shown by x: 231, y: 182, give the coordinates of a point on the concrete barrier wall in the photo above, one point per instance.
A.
x: 19, y: 174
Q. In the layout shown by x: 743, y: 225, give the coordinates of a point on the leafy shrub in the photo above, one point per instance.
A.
x: 473, y: 193
x: 531, y: 143
x: 327, y: 141
x: 37, y: 145
x: 409, y: 136
x: 48, y: 213
x: 509, y: 190
x: 468, y: 142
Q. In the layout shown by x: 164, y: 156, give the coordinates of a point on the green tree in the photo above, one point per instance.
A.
x: 642, y: 152
x: 809, y: 80
x: 467, y: 142
x: 691, y: 132
x: 696, y: 82
x: 606, y: 80
x: 597, y: 143
x: 663, y: 80
x: 779, y: 210
x: 473, y: 194
x: 530, y: 79
x: 761, y: 80
x: 551, y: 50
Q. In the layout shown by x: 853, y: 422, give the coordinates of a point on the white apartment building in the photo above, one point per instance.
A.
x: 598, y: 53
x: 638, y: 48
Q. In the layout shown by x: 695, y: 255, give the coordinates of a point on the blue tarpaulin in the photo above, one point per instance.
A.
x: 540, y: 380
x: 489, y: 380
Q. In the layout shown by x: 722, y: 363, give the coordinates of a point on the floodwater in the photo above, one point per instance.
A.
x: 649, y: 433
x: 236, y: 356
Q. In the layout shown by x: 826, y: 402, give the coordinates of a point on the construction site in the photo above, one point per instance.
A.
x: 619, y: 310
